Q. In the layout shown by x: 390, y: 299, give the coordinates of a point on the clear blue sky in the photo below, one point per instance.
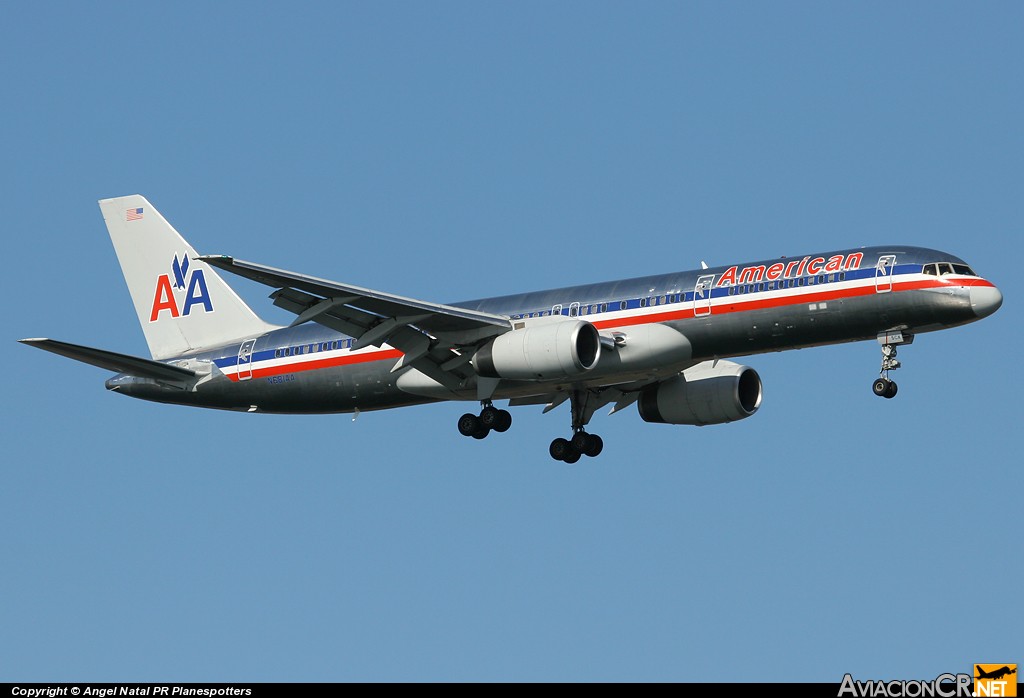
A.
x: 457, y: 150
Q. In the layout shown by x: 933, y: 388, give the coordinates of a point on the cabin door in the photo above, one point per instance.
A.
x: 245, y: 360
x: 702, y: 295
x: 883, y: 273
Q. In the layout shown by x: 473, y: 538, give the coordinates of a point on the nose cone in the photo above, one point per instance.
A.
x: 985, y: 300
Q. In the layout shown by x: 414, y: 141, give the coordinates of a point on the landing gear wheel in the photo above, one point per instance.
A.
x: 503, y: 421
x: 890, y: 391
x: 589, y: 445
x: 572, y: 455
x: 469, y: 424
x: 481, y: 433
x: 559, y: 447
x: 880, y: 387
x: 489, y: 416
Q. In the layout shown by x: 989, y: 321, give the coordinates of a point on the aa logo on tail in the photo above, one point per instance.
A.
x: 995, y: 679
x: 193, y: 284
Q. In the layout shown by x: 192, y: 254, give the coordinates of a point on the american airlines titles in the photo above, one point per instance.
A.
x: 791, y: 269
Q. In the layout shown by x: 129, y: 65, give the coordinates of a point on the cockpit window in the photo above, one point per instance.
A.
x: 943, y: 268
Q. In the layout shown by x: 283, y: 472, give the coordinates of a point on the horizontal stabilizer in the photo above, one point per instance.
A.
x: 122, y: 363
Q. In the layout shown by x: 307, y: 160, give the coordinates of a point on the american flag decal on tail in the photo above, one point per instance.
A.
x: 133, y: 214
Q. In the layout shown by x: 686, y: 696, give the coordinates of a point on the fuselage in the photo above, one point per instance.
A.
x: 734, y: 310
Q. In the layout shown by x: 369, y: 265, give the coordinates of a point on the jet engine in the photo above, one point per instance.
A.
x: 708, y: 393
x: 544, y: 352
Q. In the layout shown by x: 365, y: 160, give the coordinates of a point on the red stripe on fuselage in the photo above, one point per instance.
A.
x: 315, y: 364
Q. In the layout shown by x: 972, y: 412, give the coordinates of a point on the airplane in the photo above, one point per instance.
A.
x: 660, y: 341
x: 996, y: 674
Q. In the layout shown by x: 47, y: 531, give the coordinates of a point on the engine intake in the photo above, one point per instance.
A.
x: 703, y: 394
x: 544, y: 352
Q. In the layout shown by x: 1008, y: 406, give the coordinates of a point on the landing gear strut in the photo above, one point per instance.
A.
x: 581, y: 443
x: 883, y: 386
x: 490, y: 419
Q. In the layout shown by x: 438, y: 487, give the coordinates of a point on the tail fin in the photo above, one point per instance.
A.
x: 182, y: 304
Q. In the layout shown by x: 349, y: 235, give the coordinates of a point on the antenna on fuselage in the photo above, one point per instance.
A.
x: 703, y: 264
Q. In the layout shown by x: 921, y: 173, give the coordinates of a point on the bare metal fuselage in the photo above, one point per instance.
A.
x: 720, y: 312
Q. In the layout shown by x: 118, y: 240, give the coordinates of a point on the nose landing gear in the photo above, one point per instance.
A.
x: 883, y: 386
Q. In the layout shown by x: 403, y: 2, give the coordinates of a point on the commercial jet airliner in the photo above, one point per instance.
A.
x: 660, y: 341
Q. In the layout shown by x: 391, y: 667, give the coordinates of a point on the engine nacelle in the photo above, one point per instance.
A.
x: 543, y: 352
x: 703, y: 394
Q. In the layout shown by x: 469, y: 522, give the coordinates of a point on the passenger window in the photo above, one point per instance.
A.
x: 842, y: 276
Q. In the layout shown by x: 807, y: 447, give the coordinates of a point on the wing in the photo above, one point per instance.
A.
x: 436, y: 339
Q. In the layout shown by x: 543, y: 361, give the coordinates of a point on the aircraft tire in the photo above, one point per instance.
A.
x: 469, y: 424
x: 503, y: 422
x: 594, y: 446
x: 489, y: 417
x: 880, y: 387
x: 559, y: 448
x: 890, y: 391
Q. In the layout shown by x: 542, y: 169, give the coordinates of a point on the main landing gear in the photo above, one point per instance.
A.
x: 581, y: 443
x: 584, y: 403
x: 883, y: 386
x: 490, y: 419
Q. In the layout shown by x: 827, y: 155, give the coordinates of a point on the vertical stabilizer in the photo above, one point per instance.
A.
x: 182, y: 304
